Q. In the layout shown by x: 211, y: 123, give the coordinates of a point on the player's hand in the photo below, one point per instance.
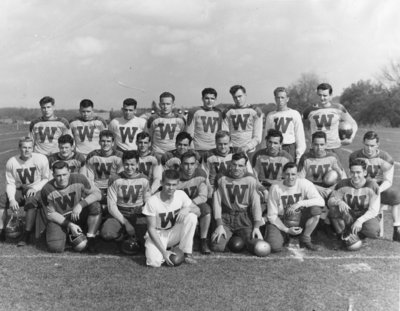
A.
x: 75, y: 229
x: 256, y: 234
x: 30, y: 193
x: 295, y: 230
x: 76, y: 211
x: 14, y: 205
x: 218, y: 233
x: 182, y: 214
x: 166, y: 255
x: 294, y: 208
x: 343, y: 207
x: 356, y: 227
x: 130, y: 230
x: 346, y: 141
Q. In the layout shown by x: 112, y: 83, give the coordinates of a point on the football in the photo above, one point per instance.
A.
x: 130, y: 246
x: 293, y: 220
x: 259, y: 247
x: 178, y: 258
x: 345, y: 130
x: 78, y: 242
x: 236, y: 244
x: 330, y: 178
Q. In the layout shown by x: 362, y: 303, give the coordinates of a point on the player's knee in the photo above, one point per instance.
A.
x: 190, y: 219
x: 371, y: 229
x: 56, y: 245
x: 334, y: 212
x: 218, y: 247
x: 390, y: 197
x: 111, y: 229
x: 152, y: 262
x: 315, y: 211
x: 3, y: 201
x: 94, y: 209
x: 205, y: 209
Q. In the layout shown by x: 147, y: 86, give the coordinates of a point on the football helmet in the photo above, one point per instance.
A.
x: 78, y: 242
x: 130, y: 246
x: 14, y: 227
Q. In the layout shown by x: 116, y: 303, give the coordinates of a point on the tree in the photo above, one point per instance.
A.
x: 303, y: 92
x: 390, y: 75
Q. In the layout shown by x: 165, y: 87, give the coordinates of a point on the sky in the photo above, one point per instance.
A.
x: 108, y: 50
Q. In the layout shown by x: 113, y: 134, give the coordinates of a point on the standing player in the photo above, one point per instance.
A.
x: 237, y: 207
x: 48, y: 128
x: 171, y: 220
x: 70, y: 202
x: 380, y: 167
x: 126, y: 128
x: 148, y: 163
x: 354, y: 204
x: 86, y: 128
x: 164, y: 127
x: 204, y: 122
x: 26, y: 174
x: 127, y: 193
x: 292, y: 196
x: 244, y: 122
x: 326, y: 117
x: 289, y: 123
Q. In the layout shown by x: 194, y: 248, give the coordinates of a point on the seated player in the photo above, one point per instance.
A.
x: 26, y: 174
x: 237, y: 207
x: 71, y: 204
x: 171, y: 220
x: 67, y: 154
x: 294, y: 207
x: 193, y: 180
x: 380, y: 167
x: 127, y: 193
x: 148, y: 162
x: 103, y: 163
x: 354, y: 204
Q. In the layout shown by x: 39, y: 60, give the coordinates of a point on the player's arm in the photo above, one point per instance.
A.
x: 299, y: 136
x: 202, y: 194
x: 388, y: 173
x: 187, y: 207
x: 256, y: 212
x: 11, y: 187
x: 257, y: 133
x: 313, y: 198
x: 156, y: 177
x: 372, y: 212
x: 219, y: 230
x: 273, y: 210
x: 348, y: 118
x: 44, y: 175
x: 302, y: 167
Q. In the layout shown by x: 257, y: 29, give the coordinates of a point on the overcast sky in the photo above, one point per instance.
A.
x: 107, y: 50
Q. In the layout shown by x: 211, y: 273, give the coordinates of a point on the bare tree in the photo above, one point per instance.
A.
x: 390, y: 74
x: 302, y: 93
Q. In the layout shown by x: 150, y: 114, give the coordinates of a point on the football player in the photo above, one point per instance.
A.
x: 237, y: 207
x: 171, y: 220
x: 126, y: 128
x: 127, y: 193
x: 354, y: 204
x: 380, y: 167
x: 165, y: 126
x: 26, y: 174
x: 71, y: 202
x: 289, y: 123
x: 294, y: 208
x: 48, y: 128
x: 86, y: 128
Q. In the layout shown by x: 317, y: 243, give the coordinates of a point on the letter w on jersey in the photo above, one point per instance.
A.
x: 288, y: 200
x: 26, y: 174
x: 236, y: 193
x: 66, y: 201
x: 357, y: 203
x: 103, y: 170
x: 190, y: 191
x: 209, y: 123
x: 282, y: 124
x: 168, y: 219
x: 271, y: 170
x: 238, y: 120
x: 128, y: 132
x: 130, y: 194
x: 85, y: 131
x: 45, y: 132
x: 323, y: 121
x: 319, y: 170
x: 167, y: 129
x: 372, y: 170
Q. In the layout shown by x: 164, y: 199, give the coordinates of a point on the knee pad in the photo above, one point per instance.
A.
x: 94, y: 209
x: 56, y: 246
x: 334, y: 212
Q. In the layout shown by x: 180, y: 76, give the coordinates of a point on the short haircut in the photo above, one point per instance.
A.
x: 236, y: 88
x: 358, y: 162
x: 170, y: 174
x: 142, y: 136
x: 209, y: 90
x: 167, y: 95
x: 370, y: 135
x: 45, y: 100
x: 86, y: 103
x: 188, y: 154
x: 25, y: 140
x: 240, y: 155
x: 318, y: 134
x: 280, y: 89
x: 106, y: 133
x: 130, y: 154
x: 59, y: 165
x: 66, y: 139
x: 130, y: 102
x: 325, y: 86
x: 274, y: 133
x: 183, y: 135
x: 221, y: 134
x: 288, y: 166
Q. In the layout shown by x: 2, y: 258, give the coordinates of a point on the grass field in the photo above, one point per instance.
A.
x: 32, y: 279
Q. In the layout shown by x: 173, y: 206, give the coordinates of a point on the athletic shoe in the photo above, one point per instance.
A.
x: 189, y: 259
x: 2, y: 235
x: 204, y: 249
x: 91, y: 246
x: 309, y: 245
x: 24, y: 239
x: 396, y: 233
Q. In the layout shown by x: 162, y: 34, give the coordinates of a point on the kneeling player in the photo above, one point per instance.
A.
x: 354, y: 204
x: 237, y: 207
x: 294, y: 207
x: 126, y: 195
x: 171, y: 220
x: 70, y: 202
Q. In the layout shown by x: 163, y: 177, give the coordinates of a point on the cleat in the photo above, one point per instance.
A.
x: 189, y: 259
x: 204, y: 249
x: 24, y: 239
x: 2, y: 235
x: 396, y: 233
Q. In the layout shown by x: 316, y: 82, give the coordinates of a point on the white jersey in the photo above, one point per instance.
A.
x: 125, y: 131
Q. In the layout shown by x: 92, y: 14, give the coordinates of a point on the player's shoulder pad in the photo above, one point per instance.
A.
x: 226, y: 110
x: 76, y: 118
x: 151, y: 119
x: 113, y: 178
x: 93, y: 154
x: 77, y: 178
x: 370, y: 183
x: 356, y: 155
x: 33, y: 122
x: 339, y: 106
x: 308, y: 110
x: 343, y: 183
x: 102, y: 120
x: 63, y: 121
x: 386, y: 157
x: 257, y: 110
x: 287, y: 155
x: 199, y: 172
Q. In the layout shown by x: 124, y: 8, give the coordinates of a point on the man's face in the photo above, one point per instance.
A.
x: 189, y: 166
x: 281, y: 100
x: 61, y: 176
x: 86, y: 113
x: 166, y: 105
x: 47, y: 110
x: 290, y: 177
x: 324, y: 97
x: 357, y: 175
x: 238, y: 168
x: 130, y: 167
x: 143, y: 145
x: 169, y: 186
x: 106, y: 143
x: 223, y: 145
x: 240, y: 98
x: 66, y: 150
x: 26, y: 150
x: 319, y: 146
x: 182, y: 146
x: 209, y: 101
x: 128, y: 111
x: 370, y: 147
x: 273, y: 145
